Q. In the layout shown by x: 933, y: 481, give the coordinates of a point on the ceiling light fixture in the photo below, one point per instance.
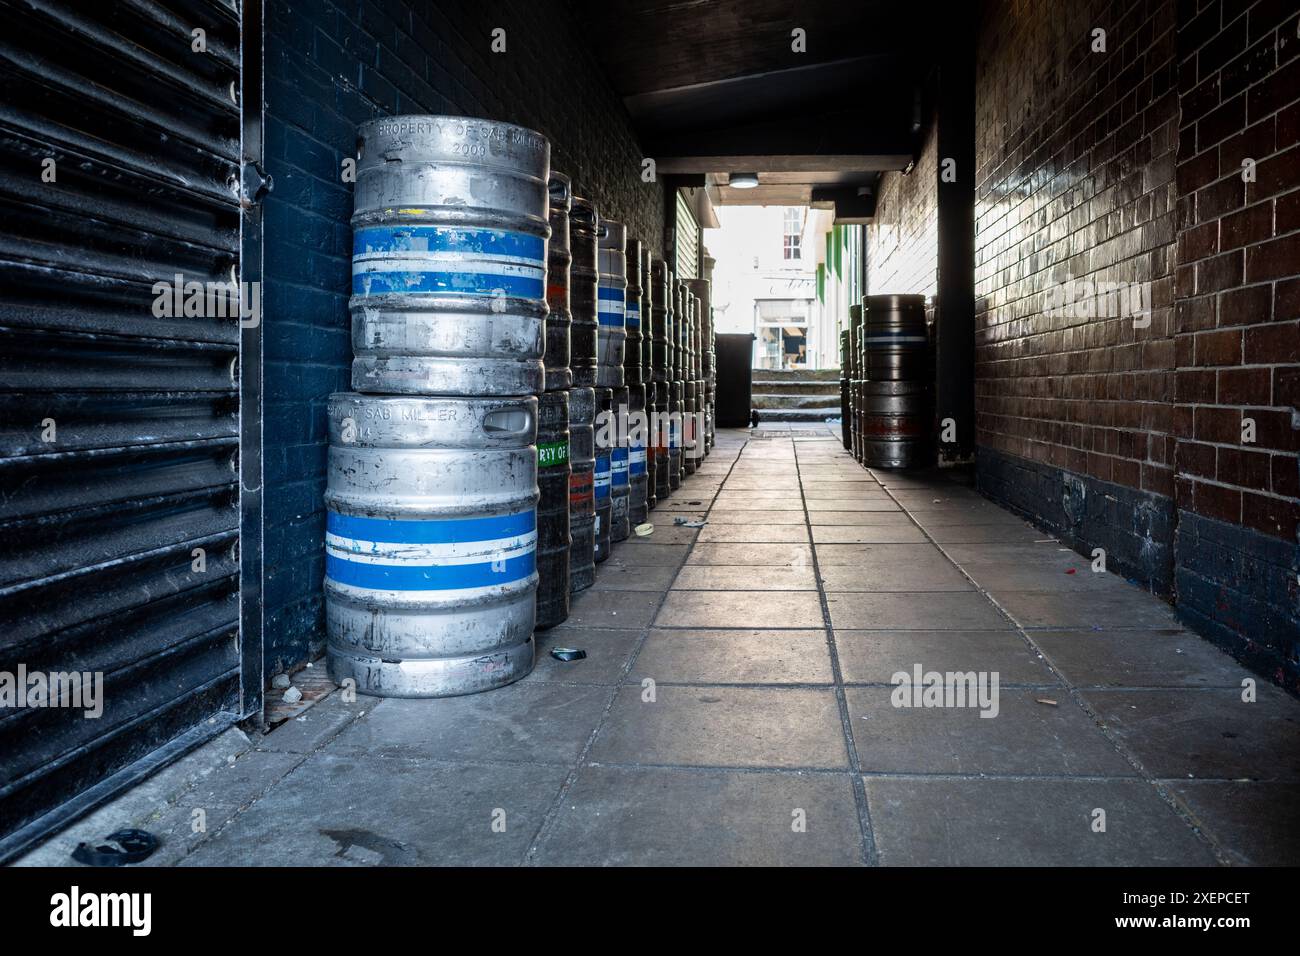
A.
x: 742, y: 180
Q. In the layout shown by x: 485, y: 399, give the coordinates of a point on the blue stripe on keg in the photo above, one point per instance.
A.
x: 447, y: 283
x: 428, y: 577
x: 602, y: 476
x: 490, y: 242
x: 611, y: 307
x: 894, y: 337
x: 633, y: 315
x: 636, y: 460
x: 618, y: 465
x: 431, y: 531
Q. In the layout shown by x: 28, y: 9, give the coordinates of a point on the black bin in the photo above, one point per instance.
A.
x: 735, y: 357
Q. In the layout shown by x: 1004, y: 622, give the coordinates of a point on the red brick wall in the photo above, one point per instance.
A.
x: 1075, y: 183
x: 902, y: 240
x: 1237, y: 308
x: 1126, y: 166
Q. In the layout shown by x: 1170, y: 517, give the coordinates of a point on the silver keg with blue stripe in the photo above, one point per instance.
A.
x: 611, y: 306
x: 449, y: 257
x: 431, y: 541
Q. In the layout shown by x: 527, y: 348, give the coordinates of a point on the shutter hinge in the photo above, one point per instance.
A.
x: 257, y: 183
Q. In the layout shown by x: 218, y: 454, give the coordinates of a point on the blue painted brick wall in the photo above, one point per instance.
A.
x: 330, y: 65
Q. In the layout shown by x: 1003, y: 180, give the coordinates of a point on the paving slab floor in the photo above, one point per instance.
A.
x: 738, y: 705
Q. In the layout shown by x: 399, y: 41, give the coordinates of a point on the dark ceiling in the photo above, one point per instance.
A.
x: 714, y: 87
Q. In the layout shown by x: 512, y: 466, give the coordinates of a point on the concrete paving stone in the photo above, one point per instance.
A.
x: 912, y: 610
x: 958, y: 506
x: 724, y: 727
x: 627, y: 609
x: 523, y: 722
x: 734, y: 657
x: 685, y: 502
x: 755, y: 518
x: 704, y: 577
x: 867, y: 534
x: 836, y: 482
x: 665, y: 532
x: 1105, y: 607
x: 998, y: 533
x: 361, y: 811
x: 314, y: 727
x: 742, y: 503
x: 1004, y: 555
x: 760, y: 609
x: 207, y: 780
x: 755, y: 556
x: 1206, y: 733
x: 624, y: 577
x: 829, y: 485
x: 607, y: 650
x: 646, y: 554
x: 744, y: 499
x: 730, y: 533
x: 1025, y: 738
x: 1254, y: 823
x: 930, y: 573
x: 1075, y: 577
x: 844, y: 519
x: 1155, y: 658
x: 615, y: 816
x: 972, y: 822
x: 873, y: 657
x: 851, y: 504
x: 873, y: 555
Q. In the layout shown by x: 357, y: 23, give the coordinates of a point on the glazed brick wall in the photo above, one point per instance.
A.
x: 1125, y: 166
x: 902, y: 242
x: 1237, y: 326
x: 1075, y: 156
x: 330, y: 65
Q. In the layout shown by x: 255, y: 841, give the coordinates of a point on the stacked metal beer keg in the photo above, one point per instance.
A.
x: 651, y: 387
x: 898, y: 395
x: 470, y: 491
x: 431, y: 532
x: 583, y: 286
x: 634, y: 379
x: 612, y: 341
x: 553, y: 469
x: 890, y: 372
x: 677, y: 385
x: 690, y: 406
x: 661, y: 334
x: 701, y: 339
x: 846, y: 417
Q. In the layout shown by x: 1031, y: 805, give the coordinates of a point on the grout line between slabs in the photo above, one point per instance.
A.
x: 552, y: 814
x: 870, y: 854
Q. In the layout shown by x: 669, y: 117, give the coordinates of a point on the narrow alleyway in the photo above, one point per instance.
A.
x: 734, y: 707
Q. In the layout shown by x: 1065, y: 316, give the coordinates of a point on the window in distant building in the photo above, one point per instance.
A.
x: 792, y: 228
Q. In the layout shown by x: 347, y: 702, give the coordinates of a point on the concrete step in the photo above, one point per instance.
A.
x: 768, y: 400
x: 797, y: 388
x: 797, y: 374
x: 798, y: 414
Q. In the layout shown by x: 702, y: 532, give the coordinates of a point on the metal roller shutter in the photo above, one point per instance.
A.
x: 689, y: 240
x: 119, y: 428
